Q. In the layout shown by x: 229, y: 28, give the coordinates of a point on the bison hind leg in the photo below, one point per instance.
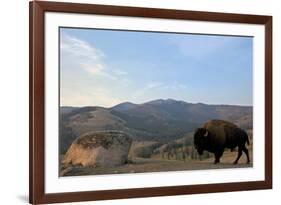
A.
x: 245, y: 150
x: 239, y: 155
x: 217, y: 160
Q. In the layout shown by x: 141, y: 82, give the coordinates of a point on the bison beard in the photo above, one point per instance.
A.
x: 216, y: 135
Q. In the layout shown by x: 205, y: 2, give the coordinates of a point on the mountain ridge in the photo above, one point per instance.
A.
x: 158, y: 120
x: 152, y: 102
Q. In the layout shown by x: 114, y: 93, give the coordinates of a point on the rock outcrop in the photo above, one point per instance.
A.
x: 99, y: 149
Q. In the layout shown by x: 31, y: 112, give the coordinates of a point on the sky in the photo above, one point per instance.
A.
x: 106, y: 67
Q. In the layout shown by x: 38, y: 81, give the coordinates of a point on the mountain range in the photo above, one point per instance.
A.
x: 158, y: 120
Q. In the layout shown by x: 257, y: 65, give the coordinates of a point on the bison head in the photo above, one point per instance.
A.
x: 200, y: 140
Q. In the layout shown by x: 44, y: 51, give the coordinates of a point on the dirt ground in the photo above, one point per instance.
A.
x: 140, y: 165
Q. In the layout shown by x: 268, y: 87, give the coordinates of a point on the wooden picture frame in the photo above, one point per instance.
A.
x: 37, y: 153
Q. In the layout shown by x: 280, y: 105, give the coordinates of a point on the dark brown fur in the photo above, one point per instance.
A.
x: 216, y: 135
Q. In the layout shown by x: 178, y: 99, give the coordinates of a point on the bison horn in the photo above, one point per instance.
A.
x: 206, y: 133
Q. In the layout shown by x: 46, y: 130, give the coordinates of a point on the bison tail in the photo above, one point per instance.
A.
x: 248, y: 142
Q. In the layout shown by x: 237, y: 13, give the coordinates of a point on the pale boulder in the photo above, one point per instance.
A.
x: 99, y: 149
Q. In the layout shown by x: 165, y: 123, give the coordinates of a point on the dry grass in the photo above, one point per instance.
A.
x: 157, y: 164
x: 140, y: 165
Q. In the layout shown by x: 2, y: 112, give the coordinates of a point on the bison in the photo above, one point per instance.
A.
x: 216, y: 135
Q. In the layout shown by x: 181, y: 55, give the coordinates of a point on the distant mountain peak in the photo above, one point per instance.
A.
x: 124, y: 106
x: 162, y: 101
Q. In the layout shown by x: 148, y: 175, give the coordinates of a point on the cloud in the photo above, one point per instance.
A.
x: 175, y: 86
x: 154, y: 85
x: 97, y: 70
x: 119, y: 72
x: 80, y: 48
x: 88, y: 57
x: 86, y: 77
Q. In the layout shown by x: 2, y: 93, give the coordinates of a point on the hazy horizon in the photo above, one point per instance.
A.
x: 156, y: 100
x: 105, y: 68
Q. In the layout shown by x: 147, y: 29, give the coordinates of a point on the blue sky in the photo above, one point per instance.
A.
x: 105, y: 67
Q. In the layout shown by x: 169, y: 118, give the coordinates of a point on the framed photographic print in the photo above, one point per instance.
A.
x: 139, y: 102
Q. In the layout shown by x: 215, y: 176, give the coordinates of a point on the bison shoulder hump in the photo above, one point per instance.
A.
x: 220, y: 128
x: 219, y: 123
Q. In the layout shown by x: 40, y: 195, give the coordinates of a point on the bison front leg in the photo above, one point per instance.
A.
x: 239, y: 155
x: 217, y: 157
